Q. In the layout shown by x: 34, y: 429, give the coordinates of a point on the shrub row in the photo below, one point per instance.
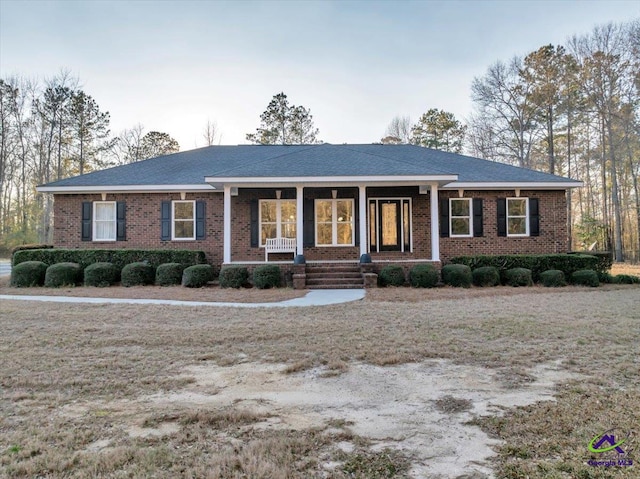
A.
x: 264, y: 276
x: 119, y: 257
x: 567, y: 263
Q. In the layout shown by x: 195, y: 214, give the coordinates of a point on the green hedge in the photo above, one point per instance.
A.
x: 138, y: 274
x: 233, y: 277
x: 391, y: 275
x: 423, y: 276
x: 486, y: 276
x: 585, y: 277
x: 567, y: 263
x: 25, y: 247
x: 119, y: 257
x: 197, y: 276
x: 169, y: 274
x: 605, y: 260
x: 458, y: 275
x: 63, y: 274
x: 267, y: 276
x: 553, y: 278
x: 518, y: 277
x: 28, y: 273
x: 626, y: 279
x: 101, y: 274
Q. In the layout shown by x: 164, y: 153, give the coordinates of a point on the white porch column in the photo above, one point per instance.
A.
x: 435, y: 223
x: 226, y: 237
x: 299, y: 219
x: 362, y: 200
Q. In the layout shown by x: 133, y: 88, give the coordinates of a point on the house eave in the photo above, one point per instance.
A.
x: 510, y: 185
x: 125, y: 189
x: 320, y: 181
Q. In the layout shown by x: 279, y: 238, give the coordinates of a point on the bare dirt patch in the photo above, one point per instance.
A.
x: 178, y: 293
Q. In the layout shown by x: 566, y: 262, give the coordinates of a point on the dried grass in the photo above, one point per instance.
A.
x: 59, y: 356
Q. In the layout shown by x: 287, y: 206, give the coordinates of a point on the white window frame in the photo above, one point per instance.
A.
x: 335, y: 222
x: 470, y: 218
x: 94, y: 221
x: 278, y: 221
x: 526, y: 217
x: 173, y: 220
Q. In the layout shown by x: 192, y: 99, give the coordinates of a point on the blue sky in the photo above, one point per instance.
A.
x: 171, y: 66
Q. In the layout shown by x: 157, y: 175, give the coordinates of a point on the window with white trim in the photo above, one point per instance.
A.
x: 277, y: 219
x: 460, y: 214
x: 335, y: 222
x: 517, y: 216
x: 183, y: 225
x: 104, y: 221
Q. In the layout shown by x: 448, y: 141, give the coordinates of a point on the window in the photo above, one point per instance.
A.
x: 517, y: 217
x: 104, y: 221
x: 183, y: 226
x: 277, y: 219
x: 334, y: 222
x: 460, y: 217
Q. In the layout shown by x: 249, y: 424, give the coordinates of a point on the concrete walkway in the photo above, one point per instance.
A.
x: 5, y: 267
x: 320, y: 297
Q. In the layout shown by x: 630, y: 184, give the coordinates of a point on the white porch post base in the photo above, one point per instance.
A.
x: 362, y: 201
x: 226, y: 236
x: 435, y: 223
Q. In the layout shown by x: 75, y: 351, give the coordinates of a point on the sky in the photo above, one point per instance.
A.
x: 174, y: 65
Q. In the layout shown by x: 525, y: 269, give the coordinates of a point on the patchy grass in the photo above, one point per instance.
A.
x: 451, y: 405
x: 57, y: 358
x: 546, y: 440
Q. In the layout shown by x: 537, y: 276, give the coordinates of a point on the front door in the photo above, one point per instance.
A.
x: 390, y: 224
x: 390, y: 229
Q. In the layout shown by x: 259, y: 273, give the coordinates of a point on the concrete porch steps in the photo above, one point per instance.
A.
x: 342, y: 276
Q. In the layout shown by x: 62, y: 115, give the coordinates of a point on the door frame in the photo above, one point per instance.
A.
x: 375, y: 246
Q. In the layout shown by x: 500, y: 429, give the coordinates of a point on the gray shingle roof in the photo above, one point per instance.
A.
x: 325, y: 160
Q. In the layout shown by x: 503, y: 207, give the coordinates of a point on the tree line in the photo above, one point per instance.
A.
x: 53, y: 129
x: 571, y: 110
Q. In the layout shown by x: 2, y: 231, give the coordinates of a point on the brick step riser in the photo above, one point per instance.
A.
x: 332, y: 270
x: 333, y: 275
x: 334, y: 281
x: 335, y: 286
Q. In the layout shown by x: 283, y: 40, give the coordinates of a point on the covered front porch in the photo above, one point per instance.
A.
x: 332, y: 223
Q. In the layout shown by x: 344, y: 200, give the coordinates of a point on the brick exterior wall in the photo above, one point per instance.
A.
x: 143, y: 224
x: 553, y: 227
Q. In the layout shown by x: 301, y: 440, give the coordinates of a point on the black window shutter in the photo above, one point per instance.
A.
x: 444, y: 217
x: 255, y: 224
x: 308, y: 223
x: 121, y: 221
x: 165, y: 221
x: 501, y: 207
x: 87, y: 211
x: 478, y: 229
x: 200, y: 223
x: 534, y: 217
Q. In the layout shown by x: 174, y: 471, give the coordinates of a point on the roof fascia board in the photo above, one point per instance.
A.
x: 499, y: 185
x: 332, y: 179
x: 125, y: 189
